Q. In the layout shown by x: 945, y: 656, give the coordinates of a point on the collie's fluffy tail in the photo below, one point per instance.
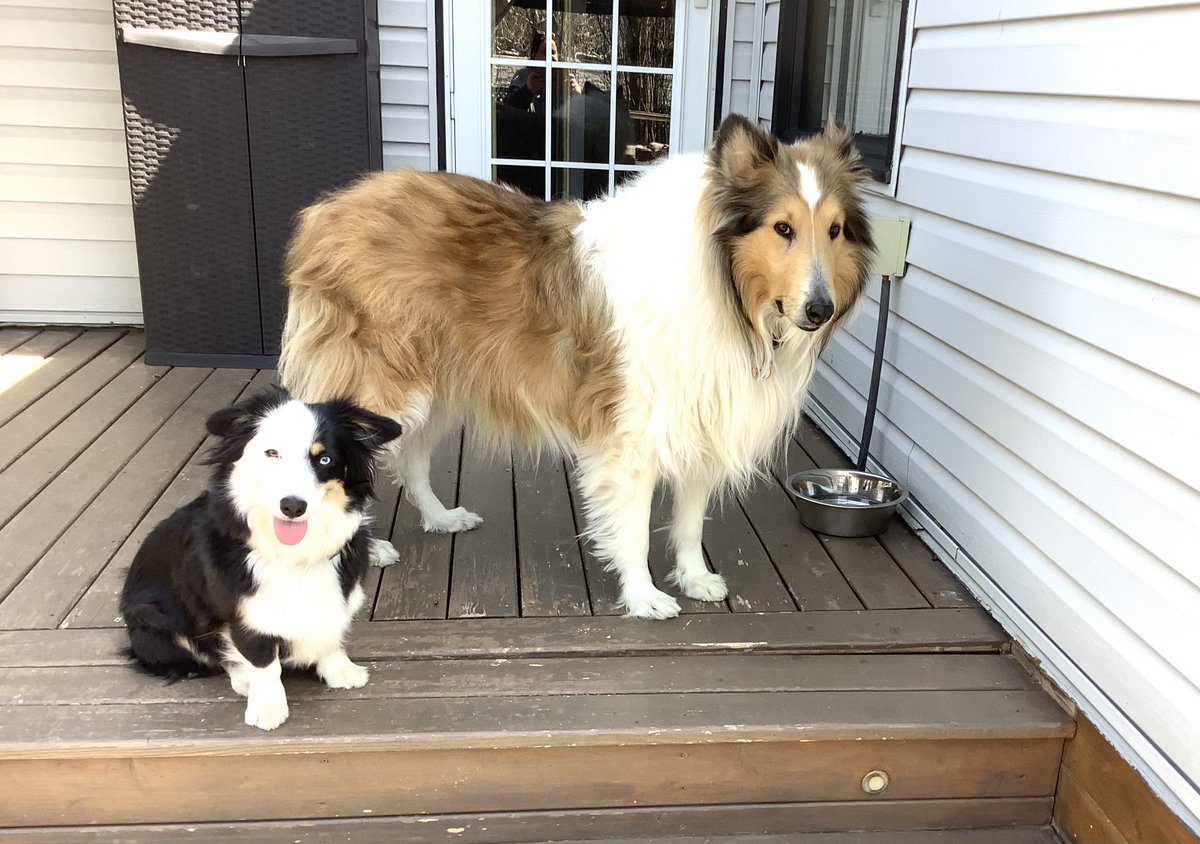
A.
x: 321, y: 359
x: 330, y: 349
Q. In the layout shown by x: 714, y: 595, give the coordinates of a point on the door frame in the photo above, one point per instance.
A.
x: 468, y: 126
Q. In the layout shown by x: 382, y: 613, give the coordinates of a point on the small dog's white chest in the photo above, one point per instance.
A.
x: 302, y: 605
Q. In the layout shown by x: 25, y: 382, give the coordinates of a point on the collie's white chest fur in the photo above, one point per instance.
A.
x: 690, y: 385
x: 302, y: 605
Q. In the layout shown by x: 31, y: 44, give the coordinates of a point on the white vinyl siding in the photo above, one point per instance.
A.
x: 1041, y: 392
x: 407, y: 83
x: 66, y: 218
x: 752, y: 35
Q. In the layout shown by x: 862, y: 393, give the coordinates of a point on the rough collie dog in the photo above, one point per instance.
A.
x: 667, y: 333
x: 265, y: 568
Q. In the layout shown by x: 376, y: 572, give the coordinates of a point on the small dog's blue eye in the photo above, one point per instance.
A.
x: 325, y: 460
x: 270, y: 452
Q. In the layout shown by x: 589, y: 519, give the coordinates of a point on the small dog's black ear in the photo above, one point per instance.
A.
x: 374, y: 430
x: 228, y: 422
x: 743, y: 151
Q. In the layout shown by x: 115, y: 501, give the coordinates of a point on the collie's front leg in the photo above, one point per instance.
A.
x: 691, y: 574
x: 618, y: 490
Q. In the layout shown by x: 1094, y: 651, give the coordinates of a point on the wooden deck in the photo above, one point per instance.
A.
x: 492, y: 652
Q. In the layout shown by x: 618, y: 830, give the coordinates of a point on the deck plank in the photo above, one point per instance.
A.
x: 810, y: 575
x: 99, y: 605
x: 12, y: 336
x: 550, y: 566
x: 31, y: 424
x: 59, y: 365
x: 55, y: 451
x: 997, y: 820
x: 693, y: 673
x: 937, y: 584
x: 46, y: 594
x: 856, y: 717
x: 39, y: 524
x: 404, y: 780
x: 736, y: 553
x: 418, y: 586
x: 877, y: 631
x: 52, y: 346
x: 483, y: 574
x: 383, y: 519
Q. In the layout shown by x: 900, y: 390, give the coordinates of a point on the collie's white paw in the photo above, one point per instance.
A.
x: 381, y: 553
x: 267, y: 710
x: 343, y: 674
x: 451, y: 521
x: 704, y: 586
x: 649, y: 603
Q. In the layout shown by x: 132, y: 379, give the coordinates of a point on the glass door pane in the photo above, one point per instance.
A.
x: 561, y: 102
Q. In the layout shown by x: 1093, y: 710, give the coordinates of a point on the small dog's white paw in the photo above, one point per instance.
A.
x: 381, y: 553
x: 241, y: 684
x: 649, y: 603
x: 267, y: 710
x: 452, y: 521
x: 704, y: 586
x: 343, y: 674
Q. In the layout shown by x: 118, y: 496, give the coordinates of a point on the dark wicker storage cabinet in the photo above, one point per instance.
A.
x: 237, y: 115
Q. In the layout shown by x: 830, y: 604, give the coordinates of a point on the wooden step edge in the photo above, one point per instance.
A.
x: 955, y: 630
x: 339, y: 725
x: 1016, y: 820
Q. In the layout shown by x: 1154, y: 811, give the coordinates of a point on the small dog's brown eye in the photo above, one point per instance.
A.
x: 834, y: 231
x: 783, y: 230
x: 270, y: 452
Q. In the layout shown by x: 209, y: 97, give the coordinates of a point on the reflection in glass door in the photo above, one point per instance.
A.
x: 581, y: 93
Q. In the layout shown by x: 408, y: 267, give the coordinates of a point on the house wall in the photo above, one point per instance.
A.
x: 1041, y: 393
x: 66, y: 217
x: 408, y: 83
x: 751, y: 38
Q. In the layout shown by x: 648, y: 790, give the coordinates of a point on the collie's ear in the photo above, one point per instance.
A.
x: 743, y: 151
x: 373, y: 430
x: 842, y: 140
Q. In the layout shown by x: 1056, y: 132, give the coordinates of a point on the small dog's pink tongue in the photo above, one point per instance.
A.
x: 289, y: 533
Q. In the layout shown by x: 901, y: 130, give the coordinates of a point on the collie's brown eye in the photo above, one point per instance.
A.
x: 834, y: 231
x: 783, y: 230
x: 270, y: 452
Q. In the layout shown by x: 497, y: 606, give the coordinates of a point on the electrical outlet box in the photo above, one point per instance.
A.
x: 891, y: 245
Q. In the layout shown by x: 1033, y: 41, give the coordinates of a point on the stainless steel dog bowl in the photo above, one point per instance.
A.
x: 843, y: 502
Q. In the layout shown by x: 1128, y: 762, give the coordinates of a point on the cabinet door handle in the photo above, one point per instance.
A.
x: 182, y: 40
x: 232, y: 44
x: 297, y: 45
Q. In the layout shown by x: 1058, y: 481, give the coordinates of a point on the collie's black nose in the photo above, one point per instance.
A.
x: 293, y: 507
x: 819, y: 311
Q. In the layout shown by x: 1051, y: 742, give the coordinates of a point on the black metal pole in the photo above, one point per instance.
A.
x: 885, y: 294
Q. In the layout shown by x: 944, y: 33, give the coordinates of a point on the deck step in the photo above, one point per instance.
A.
x: 499, y: 830
x: 965, y: 739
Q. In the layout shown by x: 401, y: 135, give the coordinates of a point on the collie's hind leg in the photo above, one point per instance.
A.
x: 411, y: 463
x: 618, y: 490
x: 691, y: 574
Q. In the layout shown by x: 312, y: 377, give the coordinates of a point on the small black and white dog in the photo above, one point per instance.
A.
x: 265, y: 568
